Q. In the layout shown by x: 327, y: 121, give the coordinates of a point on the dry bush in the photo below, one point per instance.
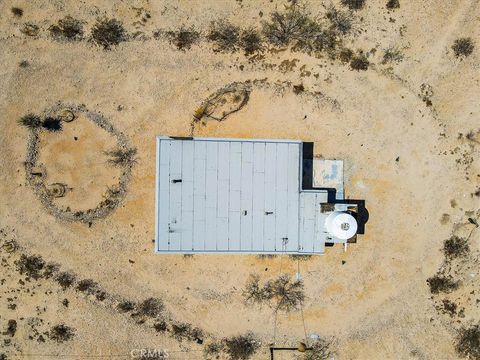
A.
x: 87, y: 286
x: 31, y: 266
x: 281, y: 293
x: 30, y: 121
x: 321, y: 350
x: 463, y: 47
x: 183, y: 38
x: 250, y: 41
x: 121, y: 157
x: 67, y: 28
x: 354, y: 4
x: 392, y: 54
x: 468, y: 342
x: 18, y: 12
x: 61, y: 333
x: 345, y: 55
x: 185, y: 331
x: 393, y: 4
x: 126, y: 306
x: 50, y: 270
x: 359, y: 62
x: 65, y: 279
x: 455, y: 247
x: 286, y: 28
x: 108, y: 33
x: 341, y: 21
x: 442, y: 284
x: 151, y: 307
x: 224, y: 35
x: 241, y: 347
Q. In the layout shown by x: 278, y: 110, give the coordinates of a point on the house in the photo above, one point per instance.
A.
x: 252, y: 196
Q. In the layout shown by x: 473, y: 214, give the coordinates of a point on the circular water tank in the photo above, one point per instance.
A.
x: 342, y: 225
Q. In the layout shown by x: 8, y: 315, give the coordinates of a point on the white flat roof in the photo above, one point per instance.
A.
x: 235, y: 195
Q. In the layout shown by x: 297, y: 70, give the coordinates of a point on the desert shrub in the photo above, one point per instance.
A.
x: 87, y: 286
x: 463, y: 47
x: 359, y: 62
x: 212, y: 350
x: 50, y: 270
x: 341, y: 21
x: 185, y: 331
x: 122, y: 157
x: 31, y: 266
x: 67, y: 28
x: 11, y: 328
x: 288, y: 294
x: 392, y: 54
x: 183, y: 38
x: 250, y: 41
x: 224, y: 35
x: 52, y: 124
x: 241, y: 347
x: 65, y: 279
x: 286, y: 28
x: 439, y: 283
x: 30, y: 121
x: 393, y: 4
x: 354, y: 4
x: 17, y: 11
x: 108, y: 33
x: 455, y: 247
x: 449, y: 307
x: 468, y: 342
x: 321, y: 350
x: 151, y: 307
x: 160, y: 326
x: 282, y: 293
x: 30, y: 29
x: 345, y: 55
x: 61, y: 333
x: 126, y: 306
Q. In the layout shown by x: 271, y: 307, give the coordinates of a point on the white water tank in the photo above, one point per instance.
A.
x: 341, y: 224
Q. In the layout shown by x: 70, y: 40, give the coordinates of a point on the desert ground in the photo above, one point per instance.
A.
x: 390, y: 87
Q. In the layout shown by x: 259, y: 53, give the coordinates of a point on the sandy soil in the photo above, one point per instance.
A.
x: 405, y: 158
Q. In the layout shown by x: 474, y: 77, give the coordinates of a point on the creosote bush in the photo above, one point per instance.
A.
x: 67, y: 28
x: 463, y: 47
x: 359, y: 62
x: 341, y: 21
x: 151, y: 307
x: 30, y: 121
x: 455, y: 247
x: 281, y: 293
x: 18, y: 12
x: 65, y: 279
x: 183, y: 38
x: 108, y: 33
x: 250, y: 41
x: 122, y: 157
x: 442, y: 284
x: 31, y: 266
x: 354, y: 4
x: 392, y: 54
x: 468, y: 342
x: 224, y: 35
x: 393, y: 4
x: 286, y: 28
x: 321, y: 350
x: 241, y: 347
x: 61, y: 333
